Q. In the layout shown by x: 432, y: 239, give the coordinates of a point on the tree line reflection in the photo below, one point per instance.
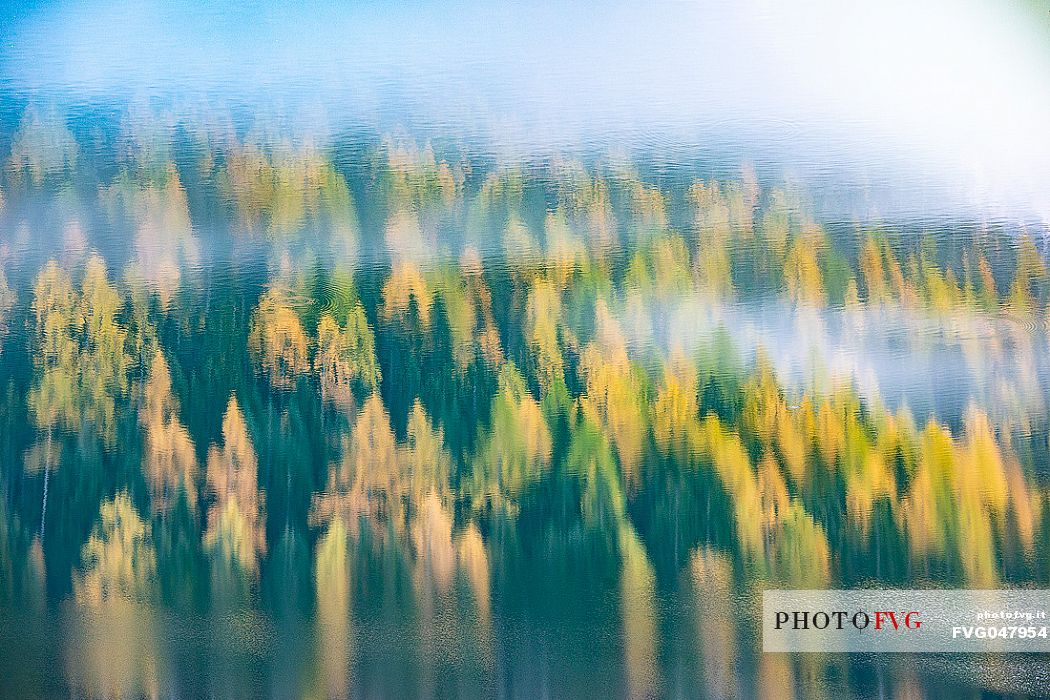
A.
x: 416, y: 410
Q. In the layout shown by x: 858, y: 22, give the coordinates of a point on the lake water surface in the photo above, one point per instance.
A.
x: 456, y: 351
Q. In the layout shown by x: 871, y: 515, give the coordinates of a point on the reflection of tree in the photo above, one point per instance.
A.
x: 406, y: 288
x: 170, y: 459
x: 382, y: 496
x: 164, y: 240
x: 278, y: 341
x: 80, y: 350
x: 614, y: 393
x: 517, y: 446
x: 346, y: 358
x: 41, y: 147
x: 236, y: 526
x: 542, y: 315
x: 590, y: 460
x: 119, y: 560
x: 468, y: 305
x: 711, y: 576
x: 714, y: 233
x: 115, y: 654
x: 334, y: 630
x: 378, y: 479
x: 803, y: 276
x: 959, y: 495
x: 773, y: 530
x: 415, y: 178
x: 640, y: 623
x: 285, y: 188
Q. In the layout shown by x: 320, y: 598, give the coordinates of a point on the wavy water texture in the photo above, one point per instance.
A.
x: 513, y: 351
x: 525, y: 410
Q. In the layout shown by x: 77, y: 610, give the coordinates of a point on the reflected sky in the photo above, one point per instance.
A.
x: 935, y: 108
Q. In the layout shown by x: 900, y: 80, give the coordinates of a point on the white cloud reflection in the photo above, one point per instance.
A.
x: 960, y: 90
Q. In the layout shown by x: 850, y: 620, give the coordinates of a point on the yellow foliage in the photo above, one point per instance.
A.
x: 662, y: 269
x: 802, y: 275
x: 518, y: 445
x: 828, y: 433
x: 334, y: 630
x: 542, y: 325
x: 565, y: 252
x: 874, y: 275
x: 1030, y: 268
x: 600, y: 222
x: 81, y: 350
x: 984, y: 473
x: 733, y: 466
x: 711, y: 211
x: 236, y: 523
x: 432, y: 542
x: 675, y: 410
x: 417, y: 178
x: 170, y: 459
x: 959, y: 496
x: 405, y: 284
x: 119, y: 560
x: 474, y: 560
x: 942, y: 290
x: 776, y: 678
x: 346, y: 358
x: 614, y: 391
x: 277, y: 340
x: 379, y: 479
x: 768, y: 417
x: 714, y: 223
x: 427, y: 464
x: 285, y: 188
x: 648, y: 206
x: 772, y: 529
x: 468, y: 306
x: 114, y: 638
x: 640, y: 622
x: 988, y: 294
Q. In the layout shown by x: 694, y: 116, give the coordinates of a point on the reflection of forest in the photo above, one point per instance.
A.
x: 504, y: 374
